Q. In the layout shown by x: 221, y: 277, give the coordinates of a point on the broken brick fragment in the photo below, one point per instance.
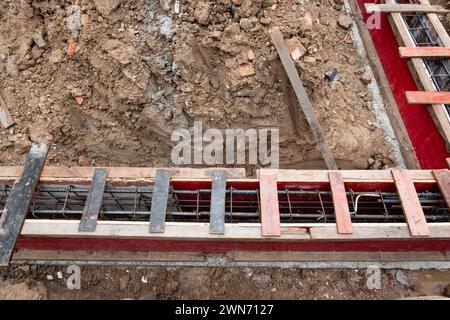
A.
x: 247, y: 70
x: 83, y: 161
x: 79, y: 100
x: 71, y: 48
x: 296, y: 48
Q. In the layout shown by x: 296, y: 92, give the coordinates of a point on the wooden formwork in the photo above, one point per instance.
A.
x: 64, y: 237
x: 404, y: 65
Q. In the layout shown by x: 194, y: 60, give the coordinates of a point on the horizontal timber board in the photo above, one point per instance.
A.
x: 428, y: 97
x: 107, y: 255
x: 84, y: 175
x: 419, y: 52
x: 116, y: 175
x: 252, y: 256
x: 378, y: 231
x: 402, y: 8
x: 173, y: 230
x: 338, y: 256
x: 248, y: 231
x: 424, y: 176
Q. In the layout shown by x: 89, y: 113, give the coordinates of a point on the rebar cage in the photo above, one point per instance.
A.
x: 296, y: 205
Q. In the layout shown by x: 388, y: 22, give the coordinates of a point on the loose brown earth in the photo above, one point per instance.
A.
x: 30, y: 282
x: 114, y: 89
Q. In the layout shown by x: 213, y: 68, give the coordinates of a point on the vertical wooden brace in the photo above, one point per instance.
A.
x: 270, y: 214
x: 412, y: 209
x: 340, y: 203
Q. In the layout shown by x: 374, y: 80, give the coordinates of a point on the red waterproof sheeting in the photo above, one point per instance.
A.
x: 427, y: 142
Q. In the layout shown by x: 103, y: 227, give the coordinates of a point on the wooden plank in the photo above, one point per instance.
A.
x: 334, y: 256
x: 64, y: 175
x: 233, y: 231
x: 159, y: 201
x: 403, y: 8
x: 5, y: 117
x: 270, y: 214
x: 427, y: 97
x: 424, y: 52
x: 381, y: 231
x: 419, y: 70
x: 116, y: 175
x: 362, y: 176
x: 393, y: 112
x: 218, y: 192
x: 94, y: 201
x: 19, y: 200
x: 340, y: 203
x: 412, y: 208
x: 443, y: 180
x: 106, y: 256
x: 302, y: 97
x: 173, y: 230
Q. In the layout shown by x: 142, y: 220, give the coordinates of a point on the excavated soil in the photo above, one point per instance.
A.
x: 111, y: 80
x: 219, y: 283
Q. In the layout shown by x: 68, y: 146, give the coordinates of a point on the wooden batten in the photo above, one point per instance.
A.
x: 364, y: 176
x: 236, y: 231
x: 270, y: 214
x: 340, y: 203
x: 424, y: 52
x: 412, y: 208
x: 427, y: 97
x: 403, y: 8
x: 116, y: 175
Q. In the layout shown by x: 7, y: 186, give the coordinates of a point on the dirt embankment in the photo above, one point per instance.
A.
x: 110, y: 79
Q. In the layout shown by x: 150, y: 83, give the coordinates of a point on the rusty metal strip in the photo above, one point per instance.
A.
x: 159, y: 201
x: 19, y: 200
x: 94, y: 201
x: 217, y: 217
